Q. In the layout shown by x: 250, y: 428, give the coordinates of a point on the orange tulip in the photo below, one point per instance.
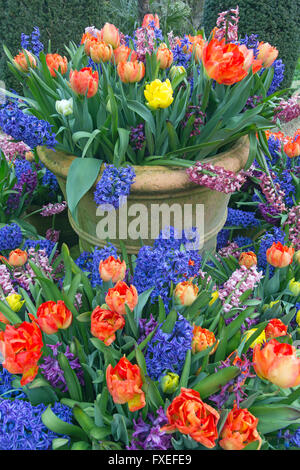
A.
x: 248, y: 259
x: 280, y: 256
x: 122, y: 54
x: 89, y: 40
x: 185, y: 293
x: 225, y: 63
x: 188, y: 414
x: 56, y: 62
x: 17, y: 258
x: 292, y: 149
x: 275, y: 328
x: 130, y: 72
x: 101, y: 52
x: 105, y: 323
x: 119, y: 296
x: 84, y: 81
x: 164, y: 56
x: 124, y: 383
x: 203, y: 339
x: 21, y: 347
x: 52, y: 317
x: 112, y: 269
x: 278, y: 363
x: 110, y: 34
x: 148, y: 19
x: 240, y: 429
x: 267, y: 53
x: 20, y: 61
x: 198, y: 48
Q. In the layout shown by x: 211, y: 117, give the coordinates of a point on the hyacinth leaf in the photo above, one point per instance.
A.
x: 140, y: 359
x: 72, y: 381
x: 82, y: 175
x: 9, y: 313
x: 52, y: 422
x: 85, y: 421
x: 143, y: 299
x: 169, y: 324
x: 186, y: 370
x: 131, y: 321
x: 214, y: 382
x: 144, y: 112
x: 60, y: 444
x: 274, y: 417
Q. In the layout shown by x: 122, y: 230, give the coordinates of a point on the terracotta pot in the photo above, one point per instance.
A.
x: 153, y: 185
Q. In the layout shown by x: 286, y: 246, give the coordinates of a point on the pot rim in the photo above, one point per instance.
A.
x: 156, y: 178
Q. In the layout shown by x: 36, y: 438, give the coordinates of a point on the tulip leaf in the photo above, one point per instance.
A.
x: 186, y: 370
x: 71, y: 378
x: 274, y: 417
x: 214, y: 382
x: 144, y: 112
x: 9, y: 313
x: 82, y: 175
x: 169, y: 324
x: 52, y: 422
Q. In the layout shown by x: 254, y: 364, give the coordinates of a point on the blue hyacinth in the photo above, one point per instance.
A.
x: 10, y: 237
x: 114, y: 185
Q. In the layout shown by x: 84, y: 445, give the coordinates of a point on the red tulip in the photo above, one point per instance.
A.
x: 52, y: 317
x: 17, y: 258
x: 275, y: 328
x: 124, y: 383
x: 56, y: 62
x: 280, y: 256
x: 278, y: 363
x: 119, y: 296
x: 21, y: 347
x: 240, y: 429
x: 225, y: 63
x: 188, y: 414
x: 84, y: 81
x: 105, y: 323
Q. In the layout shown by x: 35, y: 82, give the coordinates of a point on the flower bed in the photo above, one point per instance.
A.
x: 169, y: 349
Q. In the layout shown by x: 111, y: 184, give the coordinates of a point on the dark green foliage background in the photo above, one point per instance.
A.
x: 275, y: 21
x: 58, y: 20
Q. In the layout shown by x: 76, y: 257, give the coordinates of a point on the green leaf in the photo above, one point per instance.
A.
x: 81, y: 177
x: 186, y: 370
x: 274, y: 417
x: 71, y: 378
x: 52, y: 422
x: 214, y: 382
x: 9, y: 313
x: 169, y: 324
x: 85, y: 421
x: 144, y: 112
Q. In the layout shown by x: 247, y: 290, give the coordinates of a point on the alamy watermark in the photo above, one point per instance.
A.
x: 145, y: 221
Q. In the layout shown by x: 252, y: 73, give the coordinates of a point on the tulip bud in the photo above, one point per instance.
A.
x: 294, y: 287
x: 84, y: 81
x: 164, y: 56
x: 292, y: 149
x: 29, y: 156
x: 176, y: 70
x: 15, y: 302
x: 267, y: 54
x: 112, y: 269
x: 64, y: 107
x: 259, y: 340
x: 198, y: 50
x: 248, y: 259
x: 185, y: 293
x: 270, y: 305
x: 17, y: 258
x: 21, y: 59
x: 110, y: 34
x: 297, y: 256
x: 169, y: 382
x: 280, y: 256
x: 130, y: 72
x: 101, y: 52
x: 275, y: 328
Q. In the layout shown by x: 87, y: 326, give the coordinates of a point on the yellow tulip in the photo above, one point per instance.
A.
x: 259, y: 340
x: 214, y: 297
x: 159, y: 94
x: 15, y: 302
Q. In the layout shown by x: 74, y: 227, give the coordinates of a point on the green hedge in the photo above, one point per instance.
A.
x: 275, y: 21
x: 58, y: 20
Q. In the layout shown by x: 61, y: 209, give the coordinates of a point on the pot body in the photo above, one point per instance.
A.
x: 161, y: 196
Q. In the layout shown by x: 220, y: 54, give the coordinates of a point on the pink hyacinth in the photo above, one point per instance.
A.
x: 52, y: 235
x: 53, y: 209
x: 6, y: 286
x: 11, y: 148
x: 24, y: 275
x: 232, y: 249
x: 227, y: 24
x: 216, y: 177
x: 145, y: 42
x: 239, y: 282
x: 173, y: 40
x: 272, y: 192
x: 287, y: 110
